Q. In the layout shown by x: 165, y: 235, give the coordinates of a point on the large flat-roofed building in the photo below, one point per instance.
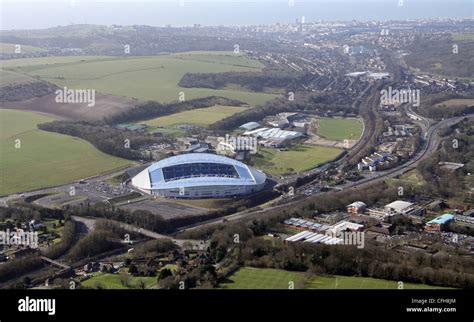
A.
x: 404, y: 208
x: 438, y: 223
x: 398, y: 206
x: 199, y: 175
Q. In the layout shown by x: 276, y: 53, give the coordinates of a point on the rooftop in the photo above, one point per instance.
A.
x: 250, y: 125
x: 441, y: 219
x: 398, y: 205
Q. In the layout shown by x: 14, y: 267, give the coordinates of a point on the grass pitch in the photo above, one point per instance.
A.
x: 44, y: 159
x: 267, y: 278
x: 340, y: 129
x: 361, y: 283
x: 199, y: 116
x: 144, y: 78
x: 297, y: 159
x: 261, y: 278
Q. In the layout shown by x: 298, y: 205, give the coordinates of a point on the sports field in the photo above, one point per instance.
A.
x: 340, y: 129
x: 112, y: 281
x: 262, y: 278
x: 267, y: 278
x: 360, y: 283
x: 198, y: 116
x: 44, y: 159
x: 144, y: 78
x: 297, y: 159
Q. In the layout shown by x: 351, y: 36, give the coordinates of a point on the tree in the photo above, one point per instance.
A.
x: 133, y: 269
x: 125, y: 279
x: 164, y: 273
x: 141, y: 284
x: 26, y: 280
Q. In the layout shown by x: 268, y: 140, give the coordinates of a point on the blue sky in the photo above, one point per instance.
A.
x: 20, y: 14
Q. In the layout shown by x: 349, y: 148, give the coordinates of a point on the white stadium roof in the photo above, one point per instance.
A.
x: 172, y: 172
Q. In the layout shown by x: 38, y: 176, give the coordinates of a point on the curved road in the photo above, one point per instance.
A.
x: 428, y: 148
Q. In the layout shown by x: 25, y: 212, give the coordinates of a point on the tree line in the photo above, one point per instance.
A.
x: 314, y: 103
x: 254, y: 81
x: 118, y: 142
x: 19, y: 92
x: 154, y: 109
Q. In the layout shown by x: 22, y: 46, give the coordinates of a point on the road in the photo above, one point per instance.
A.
x: 66, y: 187
x: 428, y: 148
x: 90, y: 224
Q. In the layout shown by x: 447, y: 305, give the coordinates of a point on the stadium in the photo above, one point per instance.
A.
x: 199, y: 175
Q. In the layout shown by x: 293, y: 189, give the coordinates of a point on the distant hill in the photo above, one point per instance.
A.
x: 436, y: 56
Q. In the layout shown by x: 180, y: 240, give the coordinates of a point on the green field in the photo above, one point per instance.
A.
x: 261, y: 278
x: 144, y: 78
x: 463, y: 37
x: 410, y: 177
x: 112, y: 281
x: 44, y: 159
x: 267, y: 278
x: 198, y: 116
x: 456, y: 102
x: 13, y: 78
x: 24, y: 49
x: 297, y: 159
x: 340, y: 129
x: 360, y: 283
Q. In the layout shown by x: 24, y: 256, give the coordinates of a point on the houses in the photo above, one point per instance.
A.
x: 377, y: 161
x: 400, y: 130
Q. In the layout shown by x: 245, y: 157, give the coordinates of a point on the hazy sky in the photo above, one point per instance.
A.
x: 19, y: 14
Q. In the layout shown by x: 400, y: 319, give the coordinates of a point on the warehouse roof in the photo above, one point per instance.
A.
x: 250, y: 125
x: 441, y: 220
x: 398, y: 205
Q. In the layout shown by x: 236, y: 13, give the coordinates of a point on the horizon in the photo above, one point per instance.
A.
x: 49, y: 14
